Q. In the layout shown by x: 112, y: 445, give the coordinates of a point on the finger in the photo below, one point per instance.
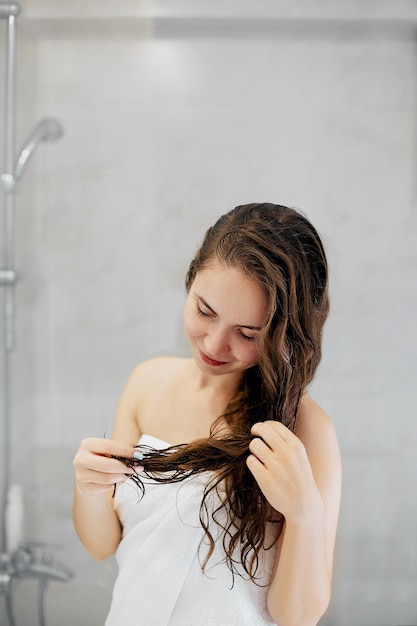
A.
x: 101, y: 478
x: 85, y: 460
x: 260, y: 450
x: 108, y: 465
x: 256, y: 467
x: 91, y: 487
x: 271, y: 431
x: 108, y: 447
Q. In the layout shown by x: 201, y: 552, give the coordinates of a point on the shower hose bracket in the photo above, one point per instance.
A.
x: 8, y: 183
x: 8, y: 278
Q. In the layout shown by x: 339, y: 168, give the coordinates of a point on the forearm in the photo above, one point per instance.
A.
x: 96, y: 523
x: 299, y: 593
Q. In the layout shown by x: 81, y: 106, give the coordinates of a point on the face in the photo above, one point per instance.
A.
x: 223, y: 315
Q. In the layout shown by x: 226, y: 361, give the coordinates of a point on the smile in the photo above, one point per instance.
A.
x: 210, y: 361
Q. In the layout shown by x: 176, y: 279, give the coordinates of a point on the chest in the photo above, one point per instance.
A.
x: 175, y: 414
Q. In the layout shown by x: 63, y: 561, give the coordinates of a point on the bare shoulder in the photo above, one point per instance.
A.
x: 314, y: 426
x: 148, y: 380
x: 156, y: 370
x: 317, y: 432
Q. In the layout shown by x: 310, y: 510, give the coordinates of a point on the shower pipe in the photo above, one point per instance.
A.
x: 47, y: 129
x: 24, y: 561
x: 9, y: 11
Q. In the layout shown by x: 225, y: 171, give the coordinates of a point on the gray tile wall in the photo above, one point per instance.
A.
x: 162, y: 135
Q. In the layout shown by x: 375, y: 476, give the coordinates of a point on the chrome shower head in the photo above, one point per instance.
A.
x: 48, y: 129
x: 9, y: 8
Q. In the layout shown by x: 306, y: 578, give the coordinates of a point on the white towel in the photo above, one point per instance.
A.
x: 160, y: 581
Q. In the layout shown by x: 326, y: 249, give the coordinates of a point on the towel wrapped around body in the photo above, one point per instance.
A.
x: 160, y: 580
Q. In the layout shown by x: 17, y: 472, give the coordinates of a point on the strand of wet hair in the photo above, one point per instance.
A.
x: 222, y: 457
x: 176, y: 463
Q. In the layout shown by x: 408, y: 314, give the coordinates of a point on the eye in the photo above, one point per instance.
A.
x: 247, y: 337
x: 200, y: 312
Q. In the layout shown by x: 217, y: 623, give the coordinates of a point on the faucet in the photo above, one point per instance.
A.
x: 24, y: 562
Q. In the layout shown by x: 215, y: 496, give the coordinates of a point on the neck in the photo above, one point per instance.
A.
x: 221, y: 386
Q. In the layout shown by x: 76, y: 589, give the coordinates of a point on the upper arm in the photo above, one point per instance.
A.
x: 126, y: 423
x: 316, y: 431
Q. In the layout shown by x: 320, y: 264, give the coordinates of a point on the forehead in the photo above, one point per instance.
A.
x: 232, y: 292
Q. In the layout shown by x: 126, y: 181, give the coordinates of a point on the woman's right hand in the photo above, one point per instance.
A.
x: 96, y: 471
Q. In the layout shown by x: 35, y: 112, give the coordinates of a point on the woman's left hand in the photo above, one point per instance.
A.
x: 280, y: 466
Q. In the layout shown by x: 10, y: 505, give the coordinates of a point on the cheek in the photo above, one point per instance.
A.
x: 249, y: 355
x: 192, y: 323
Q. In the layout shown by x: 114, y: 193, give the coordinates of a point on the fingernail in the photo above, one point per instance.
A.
x: 138, y: 456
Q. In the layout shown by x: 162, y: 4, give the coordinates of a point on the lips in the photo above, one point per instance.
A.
x: 210, y: 361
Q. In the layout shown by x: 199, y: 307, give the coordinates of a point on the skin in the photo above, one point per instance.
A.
x: 299, y: 474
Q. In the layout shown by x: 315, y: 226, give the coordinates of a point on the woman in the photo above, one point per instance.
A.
x: 234, y: 520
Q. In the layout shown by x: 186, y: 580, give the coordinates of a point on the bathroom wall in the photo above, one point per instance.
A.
x: 169, y: 121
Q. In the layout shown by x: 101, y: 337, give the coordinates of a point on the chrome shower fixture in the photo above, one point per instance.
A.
x: 48, y: 129
x: 21, y: 561
x: 9, y: 8
x: 30, y: 560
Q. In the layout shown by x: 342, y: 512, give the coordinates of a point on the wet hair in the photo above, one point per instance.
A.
x: 279, y: 248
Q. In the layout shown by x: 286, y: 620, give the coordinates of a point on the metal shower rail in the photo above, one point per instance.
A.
x: 23, y: 561
x: 10, y: 12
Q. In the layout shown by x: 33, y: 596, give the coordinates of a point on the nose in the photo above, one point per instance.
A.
x: 216, y: 343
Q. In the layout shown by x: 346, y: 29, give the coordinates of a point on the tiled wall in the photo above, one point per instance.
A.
x: 162, y: 134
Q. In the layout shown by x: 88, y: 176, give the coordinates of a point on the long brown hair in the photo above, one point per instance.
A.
x: 281, y: 249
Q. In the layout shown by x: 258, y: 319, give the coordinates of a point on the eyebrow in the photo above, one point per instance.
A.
x: 214, y: 313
